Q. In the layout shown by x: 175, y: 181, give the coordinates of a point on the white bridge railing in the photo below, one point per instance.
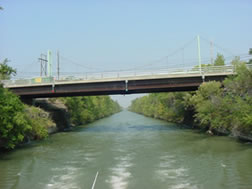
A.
x: 124, y: 75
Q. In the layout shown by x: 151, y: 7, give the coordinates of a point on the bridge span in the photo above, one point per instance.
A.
x: 109, y: 83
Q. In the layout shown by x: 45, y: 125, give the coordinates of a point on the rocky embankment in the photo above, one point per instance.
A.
x: 58, y: 113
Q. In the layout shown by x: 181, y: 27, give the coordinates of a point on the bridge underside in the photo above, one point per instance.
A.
x: 113, y: 87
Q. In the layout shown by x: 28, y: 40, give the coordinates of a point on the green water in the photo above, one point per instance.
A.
x: 129, y: 151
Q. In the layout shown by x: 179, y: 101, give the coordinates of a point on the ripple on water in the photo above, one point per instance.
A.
x: 168, y: 172
x: 119, y: 178
x: 120, y: 172
x: 64, y: 181
x: 183, y: 186
x: 10, y: 178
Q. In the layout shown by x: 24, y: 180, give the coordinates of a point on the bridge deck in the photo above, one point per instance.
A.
x: 120, y: 83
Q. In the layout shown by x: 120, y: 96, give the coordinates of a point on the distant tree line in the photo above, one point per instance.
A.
x: 86, y: 109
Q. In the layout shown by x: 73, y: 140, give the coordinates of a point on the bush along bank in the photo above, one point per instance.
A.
x: 218, y: 108
x: 20, y: 122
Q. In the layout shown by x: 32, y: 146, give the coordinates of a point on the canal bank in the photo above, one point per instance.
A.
x: 129, y: 151
x: 218, y: 108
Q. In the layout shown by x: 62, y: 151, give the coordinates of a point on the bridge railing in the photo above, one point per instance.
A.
x: 28, y: 82
x: 164, y: 71
x: 125, y: 75
x: 149, y: 73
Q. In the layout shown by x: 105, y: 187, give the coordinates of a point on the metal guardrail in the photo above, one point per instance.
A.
x: 204, y: 71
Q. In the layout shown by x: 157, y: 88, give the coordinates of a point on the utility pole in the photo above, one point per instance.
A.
x: 211, y: 51
x: 43, y: 65
x: 199, y: 56
x: 58, y: 66
x: 49, y: 63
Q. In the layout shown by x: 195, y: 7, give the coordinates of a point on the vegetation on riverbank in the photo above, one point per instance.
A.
x: 224, y: 108
x: 86, y: 109
x: 20, y: 123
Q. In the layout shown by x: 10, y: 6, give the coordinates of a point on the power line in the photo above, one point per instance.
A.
x: 80, y: 65
x: 169, y: 55
x: 218, y: 46
x: 243, y: 56
x: 154, y: 62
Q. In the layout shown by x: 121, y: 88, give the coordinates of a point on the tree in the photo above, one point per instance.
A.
x: 6, y: 71
x: 13, y: 121
x: 89, y: 108
x: 219, y: 61
x: 166, y: 106
x: 236, y: 61
x: 240, y: 84
x: 208, y: 104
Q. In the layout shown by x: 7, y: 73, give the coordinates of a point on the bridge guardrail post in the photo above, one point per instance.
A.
x: 202, y: 72
x: 53, y: 85
x: 126, y: 85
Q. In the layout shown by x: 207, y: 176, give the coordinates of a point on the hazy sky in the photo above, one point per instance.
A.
x: 106, y: 35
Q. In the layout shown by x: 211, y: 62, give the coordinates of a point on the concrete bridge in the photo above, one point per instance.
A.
x: 108, y: 83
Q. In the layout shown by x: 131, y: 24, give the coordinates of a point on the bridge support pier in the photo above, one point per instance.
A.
x: 28, y: 101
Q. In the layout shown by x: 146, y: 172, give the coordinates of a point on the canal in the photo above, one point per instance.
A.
x: 129, y: 151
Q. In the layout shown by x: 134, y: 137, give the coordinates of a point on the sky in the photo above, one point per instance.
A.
x: 98, y: 35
